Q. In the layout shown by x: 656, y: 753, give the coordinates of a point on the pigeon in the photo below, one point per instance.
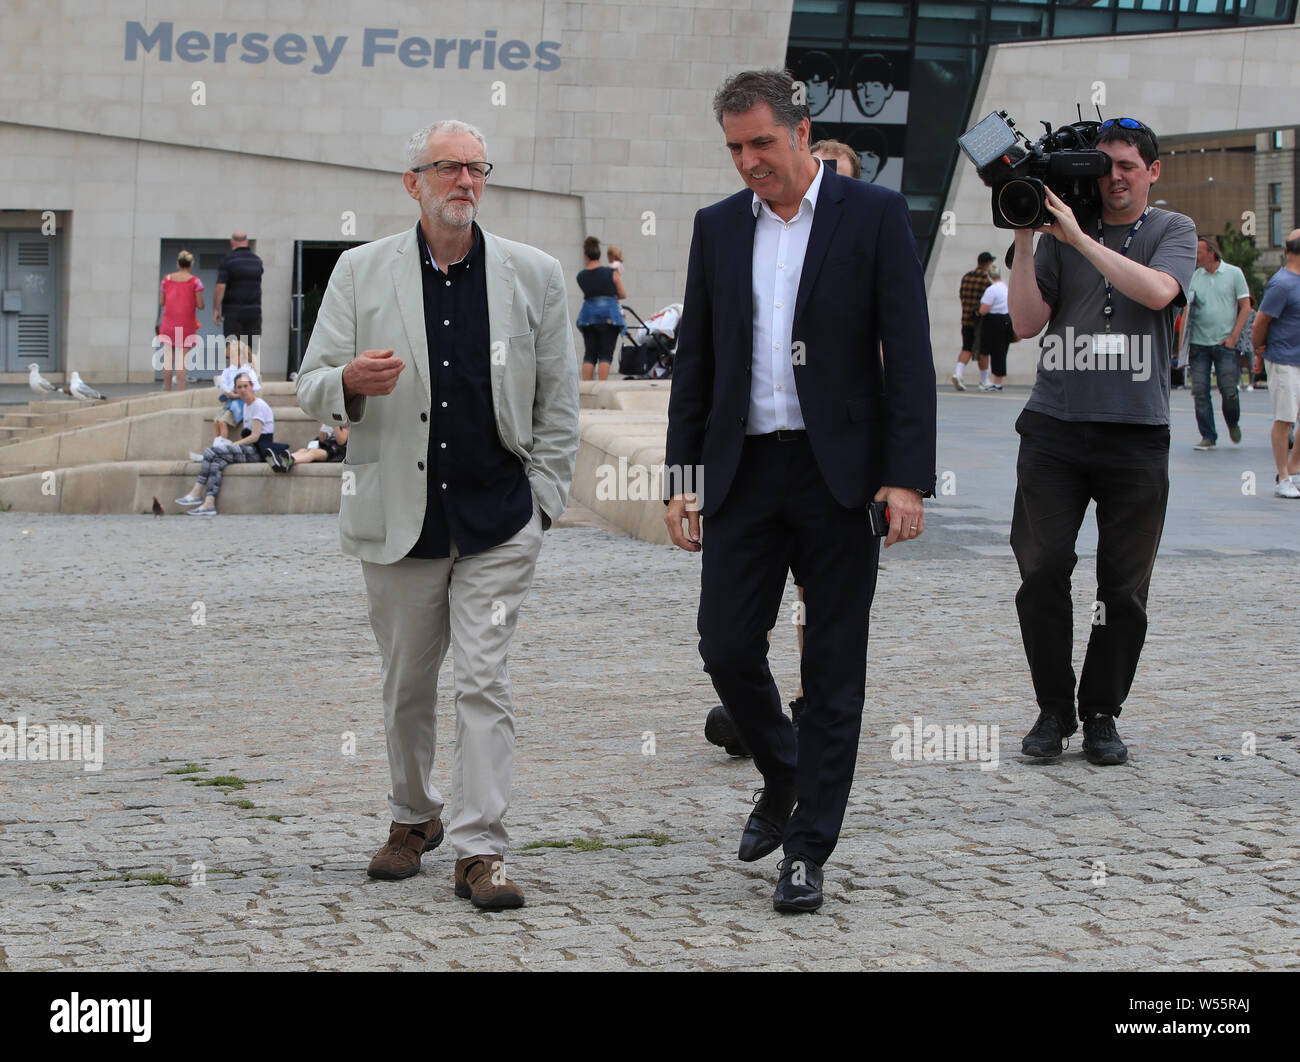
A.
x: 78, y: 388
x: 39, y: 383
x: 157, y: 507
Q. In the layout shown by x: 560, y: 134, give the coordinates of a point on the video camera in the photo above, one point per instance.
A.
x: 1065, y: 160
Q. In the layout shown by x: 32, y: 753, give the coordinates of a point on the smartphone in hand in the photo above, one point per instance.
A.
x: 878, y: 517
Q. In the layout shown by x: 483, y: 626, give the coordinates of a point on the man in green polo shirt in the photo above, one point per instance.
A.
x: 1219, y: 306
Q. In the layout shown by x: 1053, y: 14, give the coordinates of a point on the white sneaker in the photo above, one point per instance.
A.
x: 986, y: 386
x: 204, y: 510
x: 188, y: 500
x: 196, y: 457
x: 1287, y: 489
x: 957, y: 382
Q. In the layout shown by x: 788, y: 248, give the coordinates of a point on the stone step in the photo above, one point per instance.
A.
x: 168, y: 435
x: 131, y: 486
x: 10, y: 434
x: 120, y: 466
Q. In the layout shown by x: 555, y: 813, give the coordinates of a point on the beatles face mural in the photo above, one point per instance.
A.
x: 859, y: 97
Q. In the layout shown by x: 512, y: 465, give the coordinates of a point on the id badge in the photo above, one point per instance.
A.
x: 1108, y: 345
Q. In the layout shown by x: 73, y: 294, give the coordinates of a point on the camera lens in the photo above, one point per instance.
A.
x: 1021, y: 201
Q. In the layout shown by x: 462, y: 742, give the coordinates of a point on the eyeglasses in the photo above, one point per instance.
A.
x: 1123, y: 123
x: 449, y: 169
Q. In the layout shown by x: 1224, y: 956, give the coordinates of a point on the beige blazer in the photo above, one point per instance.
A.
x: 375, y: 300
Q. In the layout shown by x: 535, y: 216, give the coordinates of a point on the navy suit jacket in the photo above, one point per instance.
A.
x: 865, y: 374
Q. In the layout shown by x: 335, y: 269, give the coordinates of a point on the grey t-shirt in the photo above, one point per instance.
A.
x: 1080, y: 380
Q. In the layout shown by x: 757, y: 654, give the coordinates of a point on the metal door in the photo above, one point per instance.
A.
x: 30, y: 302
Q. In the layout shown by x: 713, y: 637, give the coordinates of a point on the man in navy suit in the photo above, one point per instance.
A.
x: 804, y: 383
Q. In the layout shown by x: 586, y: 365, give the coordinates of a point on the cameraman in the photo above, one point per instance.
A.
x: 1096, y: 427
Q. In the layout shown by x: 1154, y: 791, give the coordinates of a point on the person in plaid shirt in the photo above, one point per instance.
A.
x: 972, y: 288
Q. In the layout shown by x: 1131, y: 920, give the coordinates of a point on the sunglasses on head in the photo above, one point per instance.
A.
x: 1123, y: 123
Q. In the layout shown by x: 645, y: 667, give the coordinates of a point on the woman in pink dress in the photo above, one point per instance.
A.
x: 180, y: 296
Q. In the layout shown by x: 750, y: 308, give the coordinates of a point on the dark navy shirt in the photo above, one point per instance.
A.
x: 598, y: 281
x: 478, y: 491
x: 241, y: 272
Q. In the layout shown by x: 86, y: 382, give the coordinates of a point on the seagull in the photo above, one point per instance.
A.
x: 78, y: 388
x: 39, y: 383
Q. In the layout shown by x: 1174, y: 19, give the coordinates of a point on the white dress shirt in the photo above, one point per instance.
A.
x: 779, y: 248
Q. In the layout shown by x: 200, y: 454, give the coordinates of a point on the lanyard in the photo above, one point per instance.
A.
x: 1108, y: 309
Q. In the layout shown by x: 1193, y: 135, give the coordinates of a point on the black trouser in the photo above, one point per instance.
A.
x: 242, y: 324
x: 995, y: 337
x: 1062, y: 465
x: 779, y: 516
x: 599, y: 341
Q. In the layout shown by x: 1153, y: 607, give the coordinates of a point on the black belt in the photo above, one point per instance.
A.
x: 784, y: 435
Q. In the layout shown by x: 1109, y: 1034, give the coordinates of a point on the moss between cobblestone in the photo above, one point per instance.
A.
x: 587, y: 844
x: 227, y: 782
x: 189, y: 768
x: 242, y: 804
x: 148, y: 879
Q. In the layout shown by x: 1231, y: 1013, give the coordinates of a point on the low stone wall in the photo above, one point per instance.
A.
x: 131, y: 486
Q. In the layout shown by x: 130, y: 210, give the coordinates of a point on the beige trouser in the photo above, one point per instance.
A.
x: 416, y: 608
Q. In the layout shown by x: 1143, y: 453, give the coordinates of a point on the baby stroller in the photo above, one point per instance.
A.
x: 648, y: 353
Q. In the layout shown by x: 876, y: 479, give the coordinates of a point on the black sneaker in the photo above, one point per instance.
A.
x: 1101, y: 743
x: 1047, y: 739
x: 720, y: 730
x: 796, y: 707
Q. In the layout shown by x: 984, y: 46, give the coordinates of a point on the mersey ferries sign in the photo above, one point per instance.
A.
x: 377, y: 46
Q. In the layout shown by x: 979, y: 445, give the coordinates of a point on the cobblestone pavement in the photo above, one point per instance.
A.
x: 1186, y: 857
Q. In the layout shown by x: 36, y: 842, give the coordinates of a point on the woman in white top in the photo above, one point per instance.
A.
x: 258, y: 431
x: 995, y: 328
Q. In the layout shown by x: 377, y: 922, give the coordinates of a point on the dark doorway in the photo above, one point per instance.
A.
x: 313, y: 262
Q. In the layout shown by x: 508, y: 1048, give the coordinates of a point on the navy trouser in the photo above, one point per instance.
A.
x: 779, y: 517
x: 1062, y: 466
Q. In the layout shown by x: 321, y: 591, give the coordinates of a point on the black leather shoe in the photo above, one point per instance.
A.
x: 799, y: 888
x: 1101, y: 743
x: 796, y: 709
x: 1047, y: 738
x: 766, y: 825
x: 720, y: 730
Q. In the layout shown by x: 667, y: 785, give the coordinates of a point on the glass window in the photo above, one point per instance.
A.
x: 882, y: 20
x: 1275, y: 228
x: 1143, y: 22
x: 819, y: 19
x: 1205, y: 14
x: 1016, y: 22
x: 1275, y: 194
x: 950, y: 24
x: 1072, y: 22
x: 1277, y: 138
x: 1257, y: 11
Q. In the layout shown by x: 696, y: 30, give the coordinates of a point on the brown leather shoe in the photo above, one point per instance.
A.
x: 400, y: 857
x: 482, y: 880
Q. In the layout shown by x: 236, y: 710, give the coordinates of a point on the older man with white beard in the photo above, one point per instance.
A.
x: 455, y: 467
